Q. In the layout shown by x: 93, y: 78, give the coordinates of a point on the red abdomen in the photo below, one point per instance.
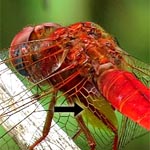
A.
x: 127, y: 94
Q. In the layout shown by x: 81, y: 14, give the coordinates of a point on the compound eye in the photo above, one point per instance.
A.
x: 39, y: 31
x: 21, y: 49
x: 22, y: 37
x: 43, y: 31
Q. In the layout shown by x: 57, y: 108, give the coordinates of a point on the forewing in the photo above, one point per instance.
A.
x: 22, y: 107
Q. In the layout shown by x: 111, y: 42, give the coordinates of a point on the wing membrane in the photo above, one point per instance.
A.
x: 140, y: 69
x: 127, y: 130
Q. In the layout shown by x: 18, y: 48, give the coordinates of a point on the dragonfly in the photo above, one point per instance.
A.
x: 81, y: 64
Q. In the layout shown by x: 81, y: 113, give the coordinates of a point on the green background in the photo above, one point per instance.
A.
x: 127, y: 20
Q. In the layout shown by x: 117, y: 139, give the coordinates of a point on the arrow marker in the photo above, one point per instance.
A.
x: 76, y: 109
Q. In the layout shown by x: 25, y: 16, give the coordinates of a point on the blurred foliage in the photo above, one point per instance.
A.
x: 127, y: 20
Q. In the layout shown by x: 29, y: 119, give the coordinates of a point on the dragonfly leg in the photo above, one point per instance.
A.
x: 115, y: 144
x: 86, y: 131
x: 77, y: 134
x: 48, y: 121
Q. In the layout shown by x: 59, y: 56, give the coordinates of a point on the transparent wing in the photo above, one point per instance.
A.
x: 20, y: 109
x: 140, y: 69
x: 104, y: 137
x: 15, y: 115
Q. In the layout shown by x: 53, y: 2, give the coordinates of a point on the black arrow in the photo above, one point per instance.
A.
x: 76, y: 109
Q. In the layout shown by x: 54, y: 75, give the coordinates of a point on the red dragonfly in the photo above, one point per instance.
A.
x: 83, y: 65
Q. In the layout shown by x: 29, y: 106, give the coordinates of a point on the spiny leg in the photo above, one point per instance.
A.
x: 86, y: 132
x: 48, y: 121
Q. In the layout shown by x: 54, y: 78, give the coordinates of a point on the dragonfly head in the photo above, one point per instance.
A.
x: 25, y: 45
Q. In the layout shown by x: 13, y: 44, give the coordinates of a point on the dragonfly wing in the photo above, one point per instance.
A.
x: 138, y: 68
